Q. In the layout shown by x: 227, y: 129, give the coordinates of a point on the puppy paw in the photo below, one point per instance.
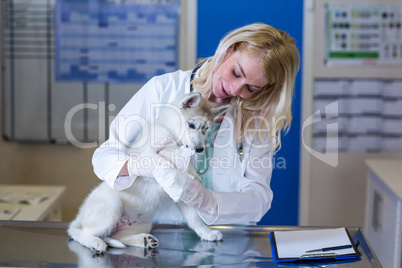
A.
x: 97, y: 245
x: 150, y: 241
x: 140, y: 240
x: 212, y: 235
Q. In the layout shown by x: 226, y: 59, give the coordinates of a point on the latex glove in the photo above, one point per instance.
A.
x: 183, y: 157
x: 200, y: 198
x: 147, y: 162
x: 174, y: 182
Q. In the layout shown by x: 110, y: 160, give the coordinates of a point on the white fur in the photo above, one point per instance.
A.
x: 104, y: 207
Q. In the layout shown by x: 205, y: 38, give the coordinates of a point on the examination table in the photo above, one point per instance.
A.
x: 46, y: 244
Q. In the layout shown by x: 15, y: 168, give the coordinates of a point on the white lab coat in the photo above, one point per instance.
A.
x: 242, y: 187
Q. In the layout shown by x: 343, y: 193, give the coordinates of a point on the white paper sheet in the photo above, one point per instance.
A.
x: 28, y: 198
x: 294, y: 244
x: 8, y: 213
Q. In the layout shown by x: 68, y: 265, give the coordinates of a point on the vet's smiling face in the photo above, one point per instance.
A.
x: 239, y: 75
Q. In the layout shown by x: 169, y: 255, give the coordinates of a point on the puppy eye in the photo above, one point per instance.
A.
x: 191, y: 125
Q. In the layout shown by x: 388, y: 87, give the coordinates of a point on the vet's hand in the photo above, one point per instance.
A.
x: 149, y: 161
x: 174, y: 182
x: 200, y: 198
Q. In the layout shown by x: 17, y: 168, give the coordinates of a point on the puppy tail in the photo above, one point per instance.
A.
x: 113, y: 242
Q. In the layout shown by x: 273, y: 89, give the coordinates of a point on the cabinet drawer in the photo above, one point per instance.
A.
x: 382, y: 223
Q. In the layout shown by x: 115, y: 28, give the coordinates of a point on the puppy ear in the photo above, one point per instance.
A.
x: 219, y: 110
x: 191, y: 100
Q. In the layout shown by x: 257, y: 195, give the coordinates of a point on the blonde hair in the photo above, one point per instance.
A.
x: 279, y: 62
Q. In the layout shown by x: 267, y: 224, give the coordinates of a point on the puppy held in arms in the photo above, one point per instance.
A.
x: 124, y: 218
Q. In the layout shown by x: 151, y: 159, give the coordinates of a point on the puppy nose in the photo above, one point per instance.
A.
x: 199, y: 149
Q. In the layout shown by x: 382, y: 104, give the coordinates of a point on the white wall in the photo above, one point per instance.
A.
x: 332, y: 196
x: 51, y: 164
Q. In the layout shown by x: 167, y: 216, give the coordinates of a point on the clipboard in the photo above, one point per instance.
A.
x: 291, y: 246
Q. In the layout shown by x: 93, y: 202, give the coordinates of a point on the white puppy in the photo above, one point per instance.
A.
x: 120, y: 218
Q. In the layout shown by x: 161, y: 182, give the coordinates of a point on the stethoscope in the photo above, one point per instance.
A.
x: 240, y: 150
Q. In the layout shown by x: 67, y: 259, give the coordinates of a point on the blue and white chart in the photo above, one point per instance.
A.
x: 98, y: 41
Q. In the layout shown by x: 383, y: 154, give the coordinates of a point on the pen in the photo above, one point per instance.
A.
x: 330, y: 248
